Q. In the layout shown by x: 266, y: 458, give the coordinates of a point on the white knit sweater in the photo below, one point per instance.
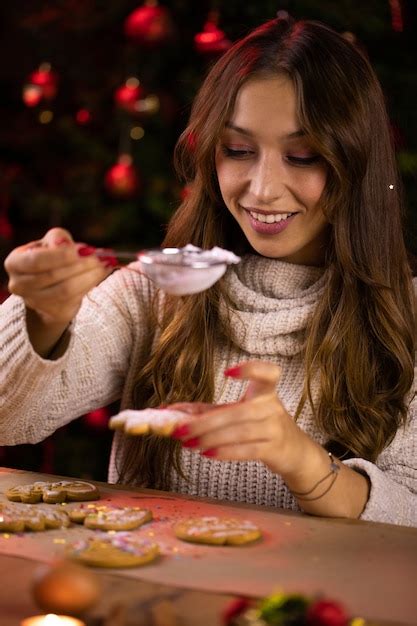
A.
x: 111, y: 339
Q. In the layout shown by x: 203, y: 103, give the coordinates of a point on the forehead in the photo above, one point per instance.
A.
x: 266, y: 103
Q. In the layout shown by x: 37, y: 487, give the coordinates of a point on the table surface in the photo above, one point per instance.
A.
x: 371, y: 568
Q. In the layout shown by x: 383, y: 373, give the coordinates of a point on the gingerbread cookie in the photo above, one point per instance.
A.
x: 217, y: 531
x: 109, y: 518
x: 62, y: 491
x: 118, y: 550
x: 15, y: 518
x: 157, y: 421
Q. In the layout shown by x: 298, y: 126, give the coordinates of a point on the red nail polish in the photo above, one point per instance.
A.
x: 210, y: 452
x: 109, y: 261
x: 194, y: 442
x: 180, y: 431
x: 233, y: 371
x: 86, y: 250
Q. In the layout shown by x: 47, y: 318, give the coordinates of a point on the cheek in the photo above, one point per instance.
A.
x: 227, y: 179
x: 312, y: 188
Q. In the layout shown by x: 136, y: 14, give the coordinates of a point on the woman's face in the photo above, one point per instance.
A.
x: 270, y: 178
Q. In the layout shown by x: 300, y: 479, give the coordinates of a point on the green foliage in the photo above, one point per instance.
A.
x: 283, y: 609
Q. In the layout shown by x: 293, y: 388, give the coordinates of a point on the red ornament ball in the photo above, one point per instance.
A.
x: 149, y: 25
x: 46, y: 80
x: 326, y: 613
x: 99, y: 418
x: 83, y: 117
x: 6, y: 230
x: 121, y: 179
x: 128, y: 95
x: 212, y: 40
x: 32, y: 95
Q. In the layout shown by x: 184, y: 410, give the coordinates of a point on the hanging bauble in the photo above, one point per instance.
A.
x: 83, y: 117
x: 149, y: 25
x: 128, y: 95
x: 46, y: 80
x: 121, y: 179
x: 32, y: 95
x: 185, y: 192
x: 212, y: 40
x: 6, y: 230
x: 397, y: 19
x: 191, y: 141
x: 98, y: 419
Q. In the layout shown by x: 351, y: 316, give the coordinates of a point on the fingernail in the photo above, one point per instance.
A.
x: 86, y: 250
x: 180, y: 431
x: 109, y: 261
x: 192, y: 443
x: 211, y: 452
x: 233, y: 371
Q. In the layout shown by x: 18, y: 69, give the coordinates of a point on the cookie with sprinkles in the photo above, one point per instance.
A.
x: 217, y: 531
x: 105, y: 517
x: 15, y: 517
x: 157, y: 421
x: 119, y: 550
x: 52, y: 493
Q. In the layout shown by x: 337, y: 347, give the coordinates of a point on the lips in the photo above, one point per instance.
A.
x: 265, y: 228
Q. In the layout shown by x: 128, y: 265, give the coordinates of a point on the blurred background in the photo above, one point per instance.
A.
x: 93, y: 95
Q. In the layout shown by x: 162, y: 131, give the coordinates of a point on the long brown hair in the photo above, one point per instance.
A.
x: 361, y: 340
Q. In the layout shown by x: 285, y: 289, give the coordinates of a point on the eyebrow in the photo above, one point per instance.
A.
x: 248, y: 133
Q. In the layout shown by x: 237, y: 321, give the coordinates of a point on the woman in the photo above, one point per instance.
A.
x: 290, y: 164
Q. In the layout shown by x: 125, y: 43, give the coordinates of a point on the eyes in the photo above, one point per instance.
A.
x: 244, y: 153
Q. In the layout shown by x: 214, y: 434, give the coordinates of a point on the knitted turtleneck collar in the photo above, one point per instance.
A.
x: 270, y: 304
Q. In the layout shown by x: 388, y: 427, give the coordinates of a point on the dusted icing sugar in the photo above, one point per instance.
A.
x: 187, y: 270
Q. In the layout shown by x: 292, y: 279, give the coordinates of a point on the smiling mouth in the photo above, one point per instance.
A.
x: 270, y: 218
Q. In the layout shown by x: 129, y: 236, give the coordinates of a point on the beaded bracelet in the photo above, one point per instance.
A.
x: 334, y: 470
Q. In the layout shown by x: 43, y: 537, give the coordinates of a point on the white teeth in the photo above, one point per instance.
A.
x: 270, y: 218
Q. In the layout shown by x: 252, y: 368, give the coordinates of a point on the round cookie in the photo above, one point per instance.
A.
x: 52, y: 493
x: 119, y: 550
x: 17, y: 518
x: 110, y: 518
x: 217, y: 531
x: 157, y: 421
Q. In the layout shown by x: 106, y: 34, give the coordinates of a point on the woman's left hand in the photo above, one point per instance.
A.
x: 256, y: 428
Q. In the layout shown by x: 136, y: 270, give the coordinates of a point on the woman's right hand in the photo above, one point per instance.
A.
x: 52, y: 276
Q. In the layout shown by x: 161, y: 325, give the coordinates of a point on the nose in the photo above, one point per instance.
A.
x: 267, y: 179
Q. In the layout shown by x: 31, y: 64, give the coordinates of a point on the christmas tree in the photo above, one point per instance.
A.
x: 94, y: 96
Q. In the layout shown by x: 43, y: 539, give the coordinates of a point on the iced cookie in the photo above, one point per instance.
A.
x: 119, y: 550
x: 157, y: 421
x: 62, y: 491
x: 217, y: 531
x: 15, y: 518
x: 109, y: 518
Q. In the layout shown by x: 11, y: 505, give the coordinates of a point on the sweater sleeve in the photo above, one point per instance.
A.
x: 393, y: 495
x: 38, y: 395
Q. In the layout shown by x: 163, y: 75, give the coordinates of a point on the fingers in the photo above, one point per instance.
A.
x: 252, y: 429
x: 249, y: 432
x: 192, y: 408
x: 55, y: 250
x: 263, y: 377
x: 57, y: 237
x: 231, y: 420
x: 52, y: 275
